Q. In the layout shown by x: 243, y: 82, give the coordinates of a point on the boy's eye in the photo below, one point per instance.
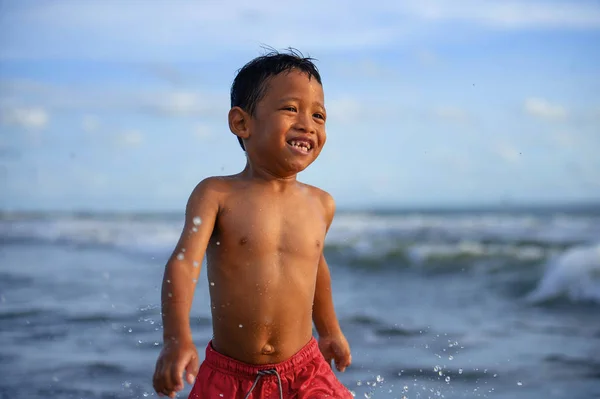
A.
x: 290, y: 108
x: 320, y: 116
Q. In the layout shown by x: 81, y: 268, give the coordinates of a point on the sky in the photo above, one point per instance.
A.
x: 122, y: 105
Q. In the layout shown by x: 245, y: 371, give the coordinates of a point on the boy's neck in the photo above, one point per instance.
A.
x: 255, y: 172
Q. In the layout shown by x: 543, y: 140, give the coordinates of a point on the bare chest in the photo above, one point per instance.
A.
x: 284, y: 226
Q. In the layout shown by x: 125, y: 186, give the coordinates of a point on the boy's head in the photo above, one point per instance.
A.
x: 256, y: 93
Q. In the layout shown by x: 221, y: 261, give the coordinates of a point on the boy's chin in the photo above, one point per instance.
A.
x: 299, y: 166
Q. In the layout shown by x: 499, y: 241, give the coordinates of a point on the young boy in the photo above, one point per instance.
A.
x: 263, y: 233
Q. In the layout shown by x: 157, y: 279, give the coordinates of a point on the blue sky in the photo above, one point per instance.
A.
x: 118, y: 105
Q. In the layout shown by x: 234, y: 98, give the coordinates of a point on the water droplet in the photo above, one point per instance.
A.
x: 170, y: 295
x: 194, y: 280
x: 126, y: 384
x: 130, y: 330
x: 218, y: 243
x: 519, y: 383
x: 145, y: 394
x: 379, y: 378
x: 450, y: 357
x: 194, y: 229
x: 221, y: 395
x: 182, y: 249
x: 241, y: 326
x: 447, y: 379
x: 359, y: 382
x: 195, y: 263
x: 139, y: 341
x: 353, y: 394
x: 197, y: 220
x: 168, y: 281
x: 180, y: 256
x: 212, y: 283
x: 460, y: 371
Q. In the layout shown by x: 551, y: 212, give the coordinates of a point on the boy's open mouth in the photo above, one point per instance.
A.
x: 302, y: 145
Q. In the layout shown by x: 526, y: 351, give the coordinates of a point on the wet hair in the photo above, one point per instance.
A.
x: 250, y: 83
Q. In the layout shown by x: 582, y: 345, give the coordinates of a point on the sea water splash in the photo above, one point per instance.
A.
x: 575, y: 274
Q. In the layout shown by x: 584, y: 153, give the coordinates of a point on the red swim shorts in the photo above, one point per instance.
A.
x: 306, y: 375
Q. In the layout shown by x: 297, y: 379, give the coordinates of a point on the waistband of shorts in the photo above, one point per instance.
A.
x: 229, y: 365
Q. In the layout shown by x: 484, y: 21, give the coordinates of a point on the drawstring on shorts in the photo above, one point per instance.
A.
x: 262, y: 373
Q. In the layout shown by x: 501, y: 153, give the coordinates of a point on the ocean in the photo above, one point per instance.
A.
x: 491, y: 303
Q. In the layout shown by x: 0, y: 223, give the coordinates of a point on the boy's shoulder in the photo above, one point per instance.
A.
x: 211, y: 187
x: 325, y: 198
x: 318, y: 192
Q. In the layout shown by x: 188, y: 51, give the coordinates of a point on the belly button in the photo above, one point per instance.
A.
x: 268, y: 349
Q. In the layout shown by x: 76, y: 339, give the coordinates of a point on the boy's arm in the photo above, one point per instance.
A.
x: 324, y: 315
x: 183, y: 267
x: 332, y: 343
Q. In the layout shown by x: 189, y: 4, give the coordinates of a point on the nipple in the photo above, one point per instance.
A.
x: 268, y: 349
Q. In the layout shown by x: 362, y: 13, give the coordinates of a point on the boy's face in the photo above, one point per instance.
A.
x: 287, y: 131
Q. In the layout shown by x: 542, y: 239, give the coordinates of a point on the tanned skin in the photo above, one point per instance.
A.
x: 263, y: 234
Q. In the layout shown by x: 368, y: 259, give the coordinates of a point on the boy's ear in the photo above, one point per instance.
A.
x: 239, y: 122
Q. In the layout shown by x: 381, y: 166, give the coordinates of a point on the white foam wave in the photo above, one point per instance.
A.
x: 130, y: 235
x: 574, y: 275
x: 468, y: 227
x: 422, y: 237
x: 422, y: 253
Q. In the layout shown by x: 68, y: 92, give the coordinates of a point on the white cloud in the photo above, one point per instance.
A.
x: 452, y: 113
x: 92, y: 180
x: 130, y: 138
x: 452, y: 162
x: 427, y: 57
x: 202, y: 131
x: 564, y: 139
x: 166, y: 102
x: 25, y: 117
x: 365, y: 68
x: 90, y: 123
x: 507, y: 152
x: 182, y: 103
x: 541, y: 108
x: 511, y: 14
x: 343, y: 109
x: 104, y: 28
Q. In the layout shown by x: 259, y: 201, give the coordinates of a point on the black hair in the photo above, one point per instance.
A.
x: 250, y: 83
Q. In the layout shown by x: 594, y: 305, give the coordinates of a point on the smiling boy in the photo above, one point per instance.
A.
x: 263, y: 234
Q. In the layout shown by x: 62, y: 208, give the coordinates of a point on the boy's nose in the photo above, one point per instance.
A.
x: 306, y: 124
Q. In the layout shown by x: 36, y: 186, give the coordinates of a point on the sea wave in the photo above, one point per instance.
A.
x: 434, y: 243
x: 573, y: 276
x: 412, y: 238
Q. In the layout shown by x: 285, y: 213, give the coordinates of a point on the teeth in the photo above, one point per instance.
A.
x: 301, y: 144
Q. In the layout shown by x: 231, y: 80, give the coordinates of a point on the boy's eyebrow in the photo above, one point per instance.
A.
x: 286, y: 99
